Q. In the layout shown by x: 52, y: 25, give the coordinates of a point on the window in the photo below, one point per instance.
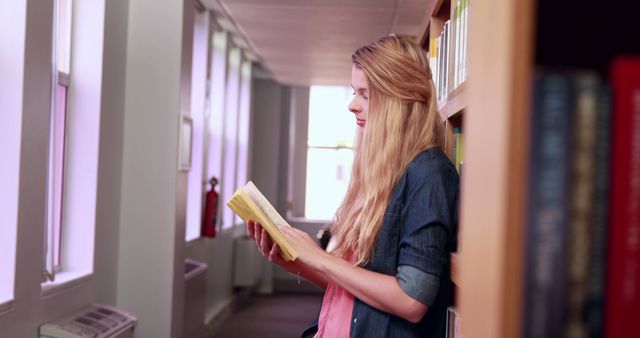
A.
x: 12, y: 43
x: 216, y: 98
x: 244, y: 123
x: 230, y: 151
x: 61, y: 75
x: 199, y: 75
x: 332, y: 131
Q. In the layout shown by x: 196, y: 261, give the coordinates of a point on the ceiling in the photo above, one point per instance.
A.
x: 304, y: 42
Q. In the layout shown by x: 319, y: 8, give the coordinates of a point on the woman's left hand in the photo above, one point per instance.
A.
x: 308, y: 250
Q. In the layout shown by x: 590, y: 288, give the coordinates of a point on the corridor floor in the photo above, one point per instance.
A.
x: 279, y: 315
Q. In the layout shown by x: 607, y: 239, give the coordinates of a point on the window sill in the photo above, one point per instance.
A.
x: 6, y: 306
x: 298, y: 219
x: 191, y: 242
x: 65, y: 281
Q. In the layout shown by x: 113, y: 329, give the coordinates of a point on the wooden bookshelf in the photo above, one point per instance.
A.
x: 451, y: 107
x: 507, y: 41
x: 492, y: 107
x: 493, y: 197
x: 441, y: 9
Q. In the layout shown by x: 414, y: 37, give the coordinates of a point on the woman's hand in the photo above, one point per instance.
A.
x: 268, y: 248
x: 271, y: 251
x: 309, y: 253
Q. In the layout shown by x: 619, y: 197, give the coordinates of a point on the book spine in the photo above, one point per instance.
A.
x: 456, y: 45
x: 436, y: 57
x: 441, y: 65
x: 454, y: 151
x: 623, y: 264
x: 459, y: 31
x: 544, y: 289
x: 583, y: 175
x: 597, y: 256
x: 466, y: 40
x: 446, y: 59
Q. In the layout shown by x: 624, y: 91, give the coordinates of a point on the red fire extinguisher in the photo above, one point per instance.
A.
x: 210, y: 210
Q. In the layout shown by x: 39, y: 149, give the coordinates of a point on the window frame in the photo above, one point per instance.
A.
x: 58, y: 133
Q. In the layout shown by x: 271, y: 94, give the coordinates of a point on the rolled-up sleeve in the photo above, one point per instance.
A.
x: 419, y: 285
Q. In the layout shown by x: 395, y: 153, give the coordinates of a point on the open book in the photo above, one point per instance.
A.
x: 249, y: 203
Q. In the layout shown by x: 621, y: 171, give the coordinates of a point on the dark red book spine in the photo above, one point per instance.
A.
x: 623, y: 268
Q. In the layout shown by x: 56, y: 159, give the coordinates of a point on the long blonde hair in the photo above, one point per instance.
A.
x: 402, y: 122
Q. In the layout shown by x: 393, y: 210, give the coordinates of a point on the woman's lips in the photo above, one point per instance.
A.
x: 360, y: 122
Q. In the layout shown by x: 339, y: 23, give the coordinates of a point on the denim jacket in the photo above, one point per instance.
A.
x: 419, y: 229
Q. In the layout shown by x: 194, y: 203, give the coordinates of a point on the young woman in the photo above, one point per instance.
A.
x: 388, y: 275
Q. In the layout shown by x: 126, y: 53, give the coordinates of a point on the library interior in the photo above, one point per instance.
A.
x: 193, y: 169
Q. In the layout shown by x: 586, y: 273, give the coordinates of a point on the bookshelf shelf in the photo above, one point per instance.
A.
x: 493, y: 116
x: 455, y: 103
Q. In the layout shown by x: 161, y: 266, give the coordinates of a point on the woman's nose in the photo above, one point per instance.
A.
x: 353, y: 107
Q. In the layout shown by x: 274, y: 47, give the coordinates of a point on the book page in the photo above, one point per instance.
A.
x: 264, y: 204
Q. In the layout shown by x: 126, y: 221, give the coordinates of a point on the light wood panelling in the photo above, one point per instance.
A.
x: 492, y: 220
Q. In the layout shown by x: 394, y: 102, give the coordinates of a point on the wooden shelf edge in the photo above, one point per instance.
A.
x: 455, y: 102
x: 454, y: 269
x: 436, y: 7
x: 424, y: 38
x: 423, y: 35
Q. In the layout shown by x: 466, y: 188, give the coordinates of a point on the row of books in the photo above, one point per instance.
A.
x: 582, y: 257
x: 458, y: 149
x: 448, y: 52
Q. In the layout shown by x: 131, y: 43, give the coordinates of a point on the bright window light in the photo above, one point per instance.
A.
x: 12, y: 34
x: 230, y: 162
x: 332, y: 131
x: 198, y: 96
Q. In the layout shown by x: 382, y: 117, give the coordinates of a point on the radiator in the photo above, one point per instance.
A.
x: 195, y: 293
x: 248, y: 263
x: 96, y: 321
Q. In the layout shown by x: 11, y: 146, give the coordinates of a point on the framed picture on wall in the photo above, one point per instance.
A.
x: 185, y: 142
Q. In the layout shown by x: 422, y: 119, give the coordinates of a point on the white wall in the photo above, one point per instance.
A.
x: 153, y: 193
x: 111, y: 143
x: 268, y: 136
x: 298, y: 135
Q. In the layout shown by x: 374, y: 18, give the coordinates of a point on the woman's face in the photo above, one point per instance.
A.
x: 360, y: 103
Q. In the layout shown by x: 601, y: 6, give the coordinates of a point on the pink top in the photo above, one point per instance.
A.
x: 335, y: 314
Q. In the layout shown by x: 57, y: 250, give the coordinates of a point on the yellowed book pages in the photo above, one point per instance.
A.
x: 250, y: 204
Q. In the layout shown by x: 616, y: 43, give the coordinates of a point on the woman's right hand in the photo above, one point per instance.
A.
x: 268, y: 248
